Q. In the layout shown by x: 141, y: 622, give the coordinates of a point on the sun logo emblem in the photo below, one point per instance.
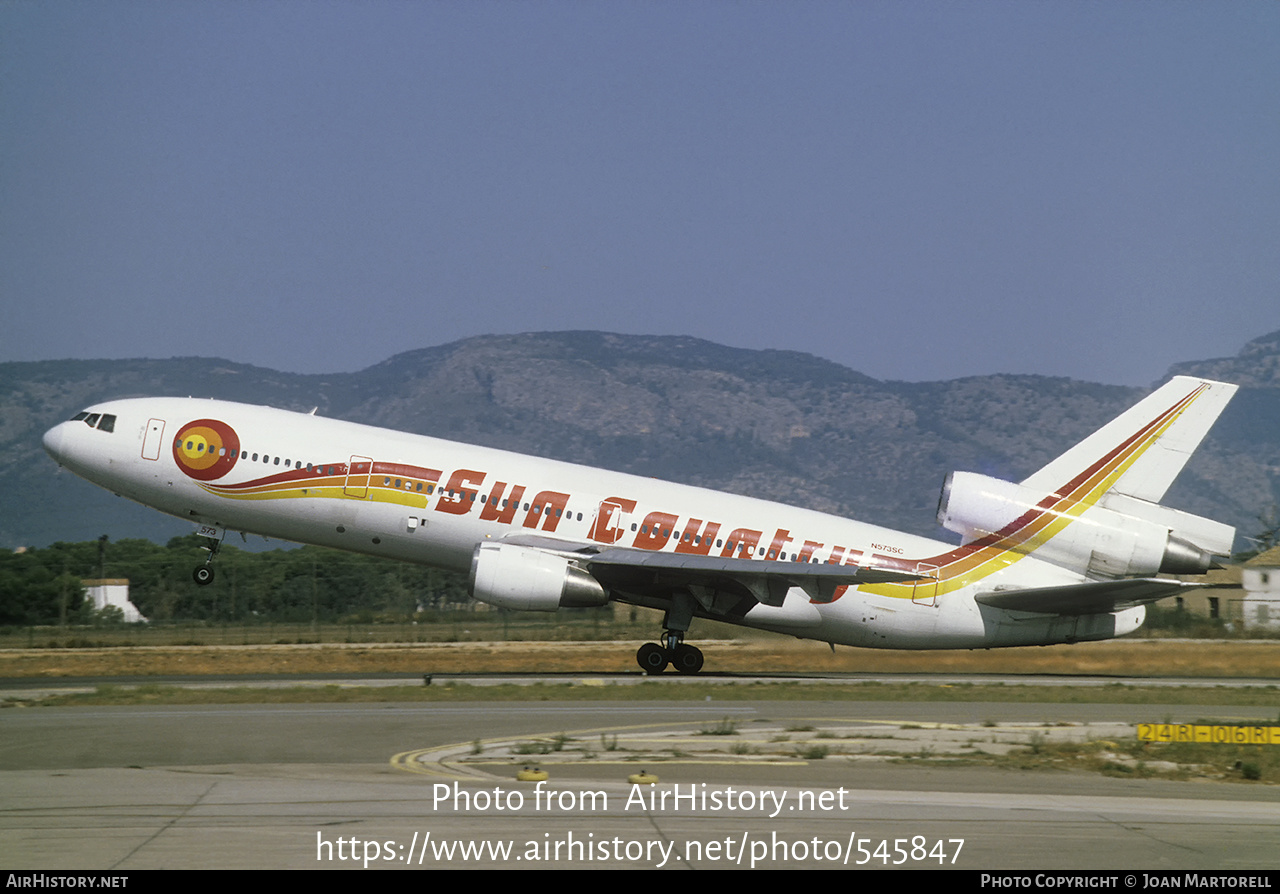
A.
x: 206, y: 449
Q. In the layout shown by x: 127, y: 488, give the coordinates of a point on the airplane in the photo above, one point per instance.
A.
x: 1069, y: 554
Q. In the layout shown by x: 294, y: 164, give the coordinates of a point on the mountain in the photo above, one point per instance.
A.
x: 781, y: 425
x: 1256, y: 366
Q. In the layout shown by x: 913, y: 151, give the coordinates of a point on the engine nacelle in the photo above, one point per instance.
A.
x: 516, y: 577
x: 1117, y: 536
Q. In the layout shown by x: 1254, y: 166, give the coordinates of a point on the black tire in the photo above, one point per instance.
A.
x: 652, y: 658
x: 203, y: 575
x: 687, y: 659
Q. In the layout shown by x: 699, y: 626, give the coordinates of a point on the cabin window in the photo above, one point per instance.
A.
x: 108, y: 423
x: 91, y: 420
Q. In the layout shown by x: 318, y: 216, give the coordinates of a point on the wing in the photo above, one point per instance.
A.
x: 1092, y: 598
x: 642, y: 570
x: 767, y: 582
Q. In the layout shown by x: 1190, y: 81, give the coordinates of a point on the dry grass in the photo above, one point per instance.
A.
x: 1139, y: 658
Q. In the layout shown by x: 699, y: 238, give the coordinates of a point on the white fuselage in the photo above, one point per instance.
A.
x: 419, y: 499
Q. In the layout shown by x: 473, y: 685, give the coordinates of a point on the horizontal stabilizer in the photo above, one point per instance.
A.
x: 1097, y: 597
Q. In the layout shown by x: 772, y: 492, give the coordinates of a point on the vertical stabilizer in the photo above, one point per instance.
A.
x: 1096, y: 509
x: 1147, y: 446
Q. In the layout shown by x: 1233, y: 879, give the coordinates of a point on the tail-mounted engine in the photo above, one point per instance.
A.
x: 526, y: 579
x: 1117, y: 536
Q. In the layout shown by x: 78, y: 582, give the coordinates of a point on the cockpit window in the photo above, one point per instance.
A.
x: 100, y: 421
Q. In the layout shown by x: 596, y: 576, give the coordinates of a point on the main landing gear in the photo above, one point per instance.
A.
x: 673, y: 650
x: 685, y: 658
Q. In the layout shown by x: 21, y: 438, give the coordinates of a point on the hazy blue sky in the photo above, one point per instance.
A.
x: 916, y: 190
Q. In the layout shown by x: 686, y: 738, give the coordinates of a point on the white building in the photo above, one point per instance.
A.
x: 1261, y: 605
x: 113, y: 591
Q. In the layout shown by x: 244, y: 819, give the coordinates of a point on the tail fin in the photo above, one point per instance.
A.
x: 1095, y: 509
x: 1148, y: 445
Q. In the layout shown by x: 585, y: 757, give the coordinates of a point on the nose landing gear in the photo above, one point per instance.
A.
x: 203, y: 574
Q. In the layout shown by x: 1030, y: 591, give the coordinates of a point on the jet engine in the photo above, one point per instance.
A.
x: 1117, y: 536
x: 526, y: 579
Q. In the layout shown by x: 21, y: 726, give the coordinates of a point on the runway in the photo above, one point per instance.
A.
x: 428, y: 785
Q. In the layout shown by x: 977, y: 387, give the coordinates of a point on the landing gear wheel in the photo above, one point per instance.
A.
x: 653, y: 658
x: 203, y: 575
x: 687, y: 659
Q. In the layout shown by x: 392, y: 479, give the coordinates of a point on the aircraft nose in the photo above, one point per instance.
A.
x: 53, y: 441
